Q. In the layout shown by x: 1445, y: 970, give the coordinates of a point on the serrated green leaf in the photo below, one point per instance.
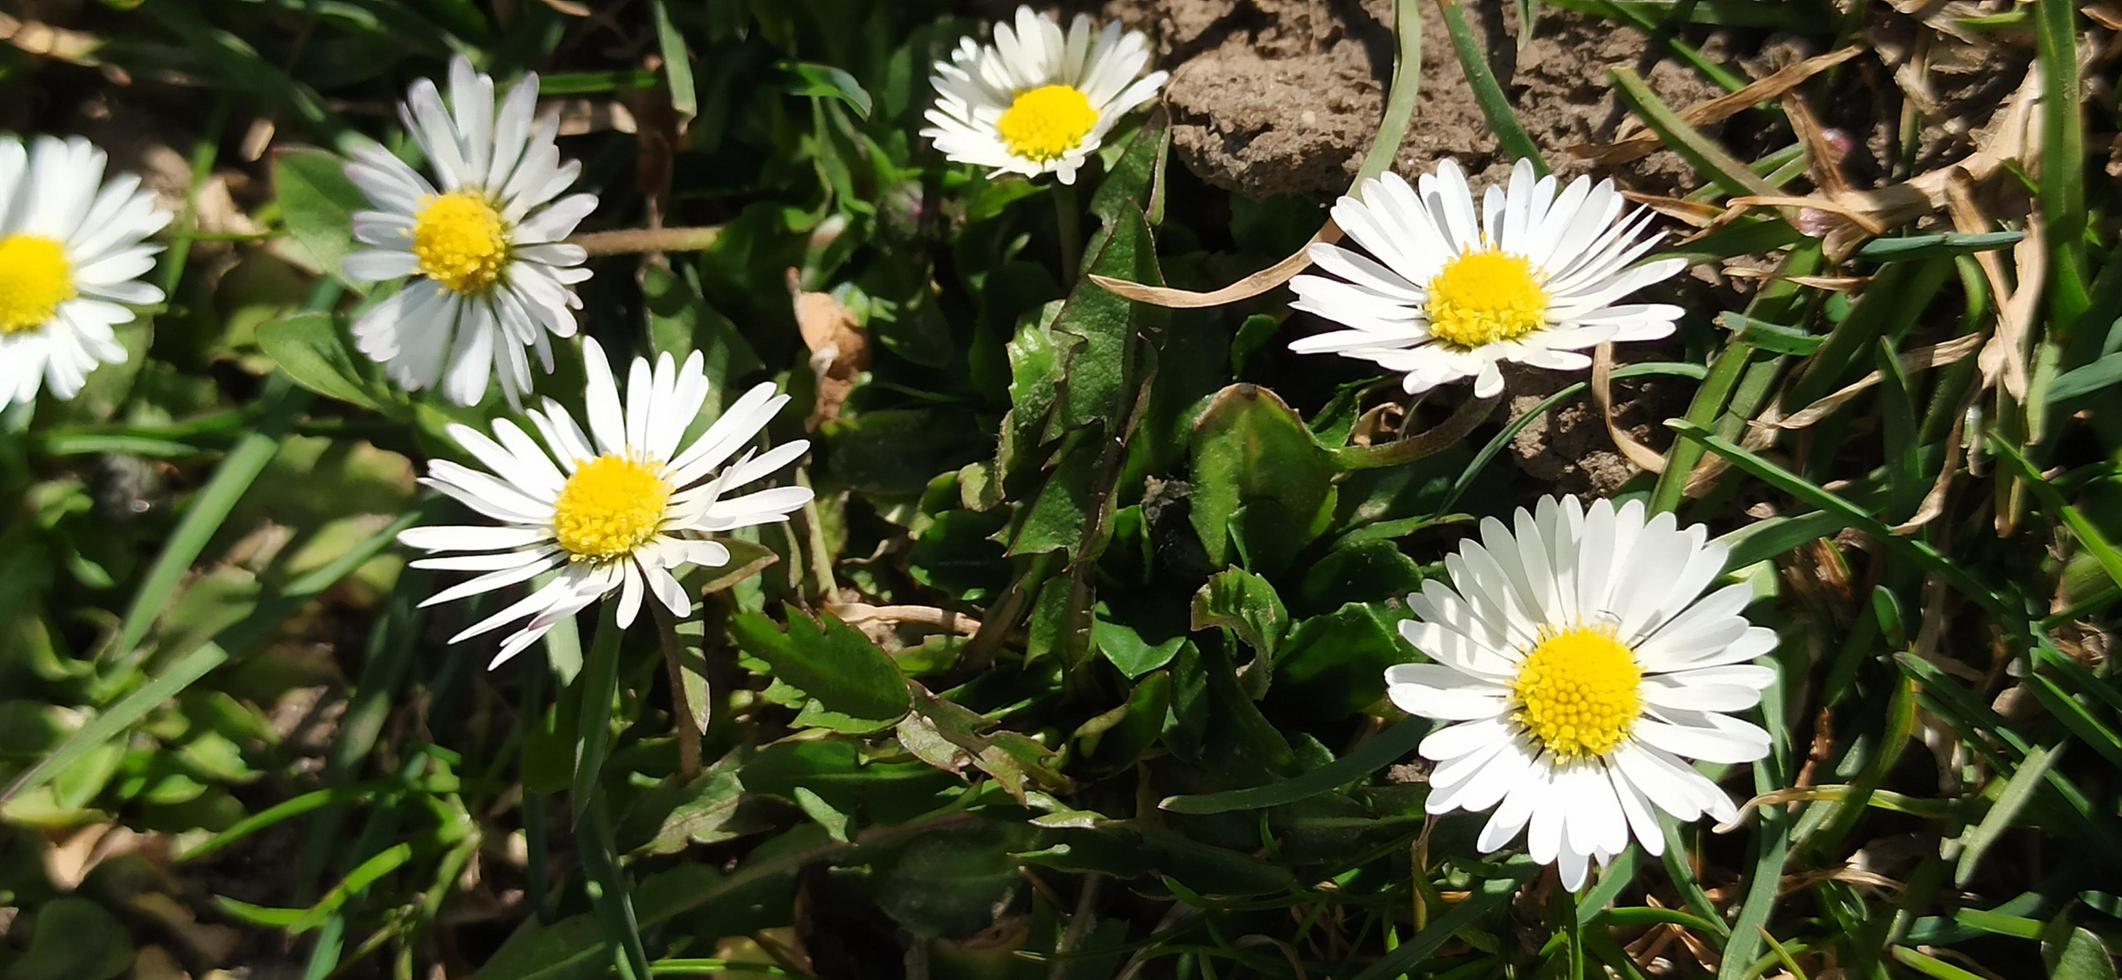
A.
x: 854, y: 686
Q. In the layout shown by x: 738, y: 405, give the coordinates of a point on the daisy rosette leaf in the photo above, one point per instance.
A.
x: 489, y: 277
x: 618, y: 509
x: 1580, y: 666
x: 1038, y: 100
x: 72, y: 251
x: 1448, y: 291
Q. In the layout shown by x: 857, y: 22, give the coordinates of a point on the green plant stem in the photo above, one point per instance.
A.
x: 1068, y: 231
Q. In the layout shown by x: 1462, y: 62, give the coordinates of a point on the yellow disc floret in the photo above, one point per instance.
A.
x: 1578, y: 692
x: 461, y: 242
x: 1483, y: 297
x: 609, y: 507
x: 1043, y: 124
x: 35, y: 278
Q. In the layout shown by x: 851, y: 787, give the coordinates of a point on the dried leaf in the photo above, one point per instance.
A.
x: 839, y: 348
x: 1602, y: 395
x: 1637, y: 145
x: 1920, y: 359
x: 1246, y: 288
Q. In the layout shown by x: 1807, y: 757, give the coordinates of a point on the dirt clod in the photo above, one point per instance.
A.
x: 1283, y: 96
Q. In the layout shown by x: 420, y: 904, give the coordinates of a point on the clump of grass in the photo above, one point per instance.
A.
x: 1074, y: 668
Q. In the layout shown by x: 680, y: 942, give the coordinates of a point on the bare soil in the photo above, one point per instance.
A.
x: 1283, y: 96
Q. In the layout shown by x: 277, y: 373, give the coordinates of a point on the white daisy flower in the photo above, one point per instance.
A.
x: 72, y: 251
x: 1581, y: 666
x: 617, y: 510
x: 484, y: 245
x: 1445, y: 294
x: 1035, y: 100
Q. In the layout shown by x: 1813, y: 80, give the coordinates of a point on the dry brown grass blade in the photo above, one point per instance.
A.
x: 2014, y: 136
x: 1694, y: 213
x: 1920, y: 359
x: 45, y: 41
x: 1822, y: 161
x: 1246, y: 288
x: 1602, y: 391
x: 2004, y: 357
x: 1934, y: 501
x: 1831, y: 283
x: 1858, y: 216
x: 1767, y: 88
x: 931, y: 617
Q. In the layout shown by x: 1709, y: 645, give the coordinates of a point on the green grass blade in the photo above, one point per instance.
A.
x: 1495, y: 105
x: 1707, y: 405
x: 129, y: 710
x: 1921, y: 553
x: 209, y: 507
x: 1726, y: 171
x: 2019, y: 788
x: 1489, y: 894
x: 1376, y: 753
x: 1406, y: 90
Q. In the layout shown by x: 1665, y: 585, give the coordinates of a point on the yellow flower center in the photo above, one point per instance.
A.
x: 1578, y: 692
x: 1483, y: 297
x: 609, y: 507
x: 1045, y: 123
x: 35, y: 278
x: 460, y: 242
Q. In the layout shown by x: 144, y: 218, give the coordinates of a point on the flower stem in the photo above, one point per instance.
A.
x: 629, y: 241
x: 1068, y: 226
x: 684, y: 721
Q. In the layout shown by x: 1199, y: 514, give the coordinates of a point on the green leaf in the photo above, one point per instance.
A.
x: 675, y: 814
x: 1101, y: 369
x: 746, y: 559
x: 203, y: 516
x: 2074, y: 952
x: 1376, y: 752
x: 1258, y: 478
x: 948, y: 882
x: 1127, y: 649
x: 1360, y: 571
x: 1333, y: 666
x: 2086, y: 378
x: 1770, y: 336
x: 1126, y: 849
x: 74, y: 939
x: 318, y: 203
x: 677, y: 64
x: 1241, y: 601
x: 896, y: 452
x: 680, y: 321
x: 958, y: 555
x: 1135, y: 182
x: 826, y: 82
x: 853, y: 685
